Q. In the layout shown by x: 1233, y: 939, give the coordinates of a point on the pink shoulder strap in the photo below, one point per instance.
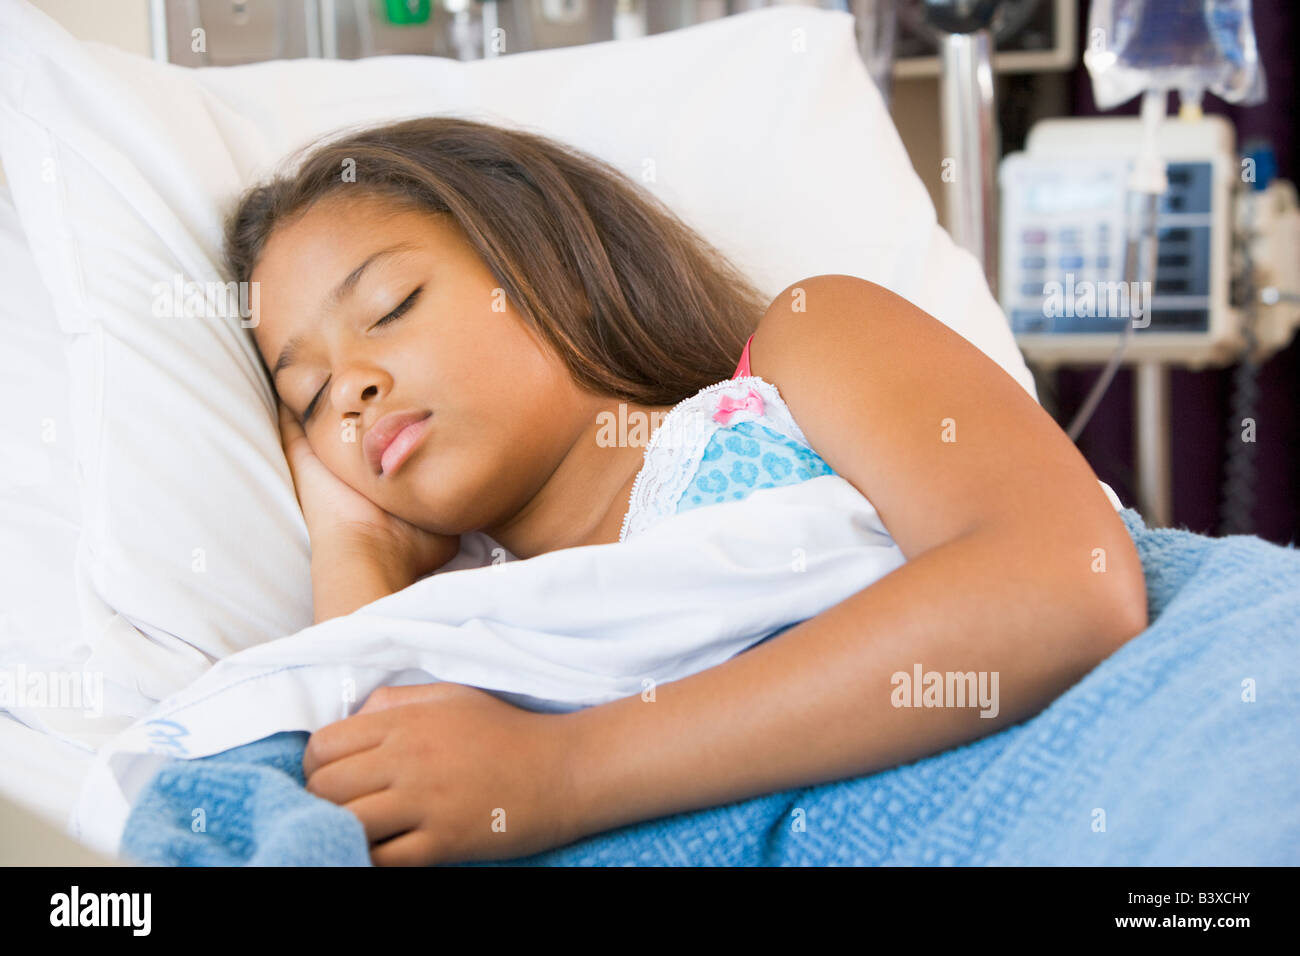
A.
x: 743, y: 368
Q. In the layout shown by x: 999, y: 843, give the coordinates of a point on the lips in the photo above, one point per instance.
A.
x: 386, y: 434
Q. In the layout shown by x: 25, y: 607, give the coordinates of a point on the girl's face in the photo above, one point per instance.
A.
x: 391, y: 310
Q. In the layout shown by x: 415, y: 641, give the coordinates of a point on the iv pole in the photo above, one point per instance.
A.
x: 970, y: 131
x: 970, y: 140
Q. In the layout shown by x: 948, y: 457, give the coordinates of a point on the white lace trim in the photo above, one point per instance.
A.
x: 672, y: 456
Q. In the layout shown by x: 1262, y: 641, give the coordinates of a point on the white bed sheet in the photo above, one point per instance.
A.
x: 41, y: 779
x: 41, y: 772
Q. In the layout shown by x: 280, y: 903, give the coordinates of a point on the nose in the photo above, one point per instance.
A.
x: 359, y: 386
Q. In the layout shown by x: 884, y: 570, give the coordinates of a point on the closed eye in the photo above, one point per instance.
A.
x: 312, y: 407
x: 401, y: 309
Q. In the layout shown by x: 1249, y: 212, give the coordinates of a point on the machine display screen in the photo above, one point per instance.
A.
x: 1050, y: 198
x: 1064, y: 227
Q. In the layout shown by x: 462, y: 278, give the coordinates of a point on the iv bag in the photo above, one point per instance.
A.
x: 1184, y: 45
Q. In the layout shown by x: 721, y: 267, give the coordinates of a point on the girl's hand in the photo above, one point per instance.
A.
x: 444, y: 773
x: 338, y: 515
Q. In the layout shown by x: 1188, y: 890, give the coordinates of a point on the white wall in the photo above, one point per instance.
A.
x: 123, y: 23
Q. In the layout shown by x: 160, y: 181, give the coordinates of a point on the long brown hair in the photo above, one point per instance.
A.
x: 635, y: 302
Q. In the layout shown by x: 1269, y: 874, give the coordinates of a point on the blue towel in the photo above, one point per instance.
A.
x: 1178, y: 749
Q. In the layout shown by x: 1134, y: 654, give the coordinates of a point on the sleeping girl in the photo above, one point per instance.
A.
x: 451, y: 312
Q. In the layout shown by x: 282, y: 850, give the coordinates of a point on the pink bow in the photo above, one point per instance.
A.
x: 729, y: 406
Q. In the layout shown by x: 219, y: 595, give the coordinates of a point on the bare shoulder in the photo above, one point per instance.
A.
x: 932, y: 431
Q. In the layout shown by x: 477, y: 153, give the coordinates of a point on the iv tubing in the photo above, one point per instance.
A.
x: 1146, y: 183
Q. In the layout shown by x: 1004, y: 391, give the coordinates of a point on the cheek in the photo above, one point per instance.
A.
x: 338, y: 447
x: 497, y: 343
x: 492, y: 372
x: 502, y: 401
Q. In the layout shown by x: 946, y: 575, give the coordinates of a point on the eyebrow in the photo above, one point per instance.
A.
x: 289, y: 354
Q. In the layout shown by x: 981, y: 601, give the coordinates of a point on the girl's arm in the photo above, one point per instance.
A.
x: 351, y: 572
x: 1017, y: 566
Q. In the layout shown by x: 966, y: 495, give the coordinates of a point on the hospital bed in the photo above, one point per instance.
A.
x: 153, y: 150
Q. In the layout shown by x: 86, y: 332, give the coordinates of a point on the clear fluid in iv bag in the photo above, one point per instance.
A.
x: 1187, y: 45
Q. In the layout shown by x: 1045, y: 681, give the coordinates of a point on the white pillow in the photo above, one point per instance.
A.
x: 52, y: 627
x: 762, y: 130
x: 40, y: 511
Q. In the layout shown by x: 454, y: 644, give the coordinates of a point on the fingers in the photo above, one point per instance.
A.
x: 289, y: 427
x: 339, y: 739
x: 384, y: 814
x: 353, y: 777
x: 385, y: 697
x: 293, y: 440
x: 286, y: 422
x: 415, y: 848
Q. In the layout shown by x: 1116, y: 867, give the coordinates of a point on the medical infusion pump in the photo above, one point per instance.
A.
x: 1062, y: 248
